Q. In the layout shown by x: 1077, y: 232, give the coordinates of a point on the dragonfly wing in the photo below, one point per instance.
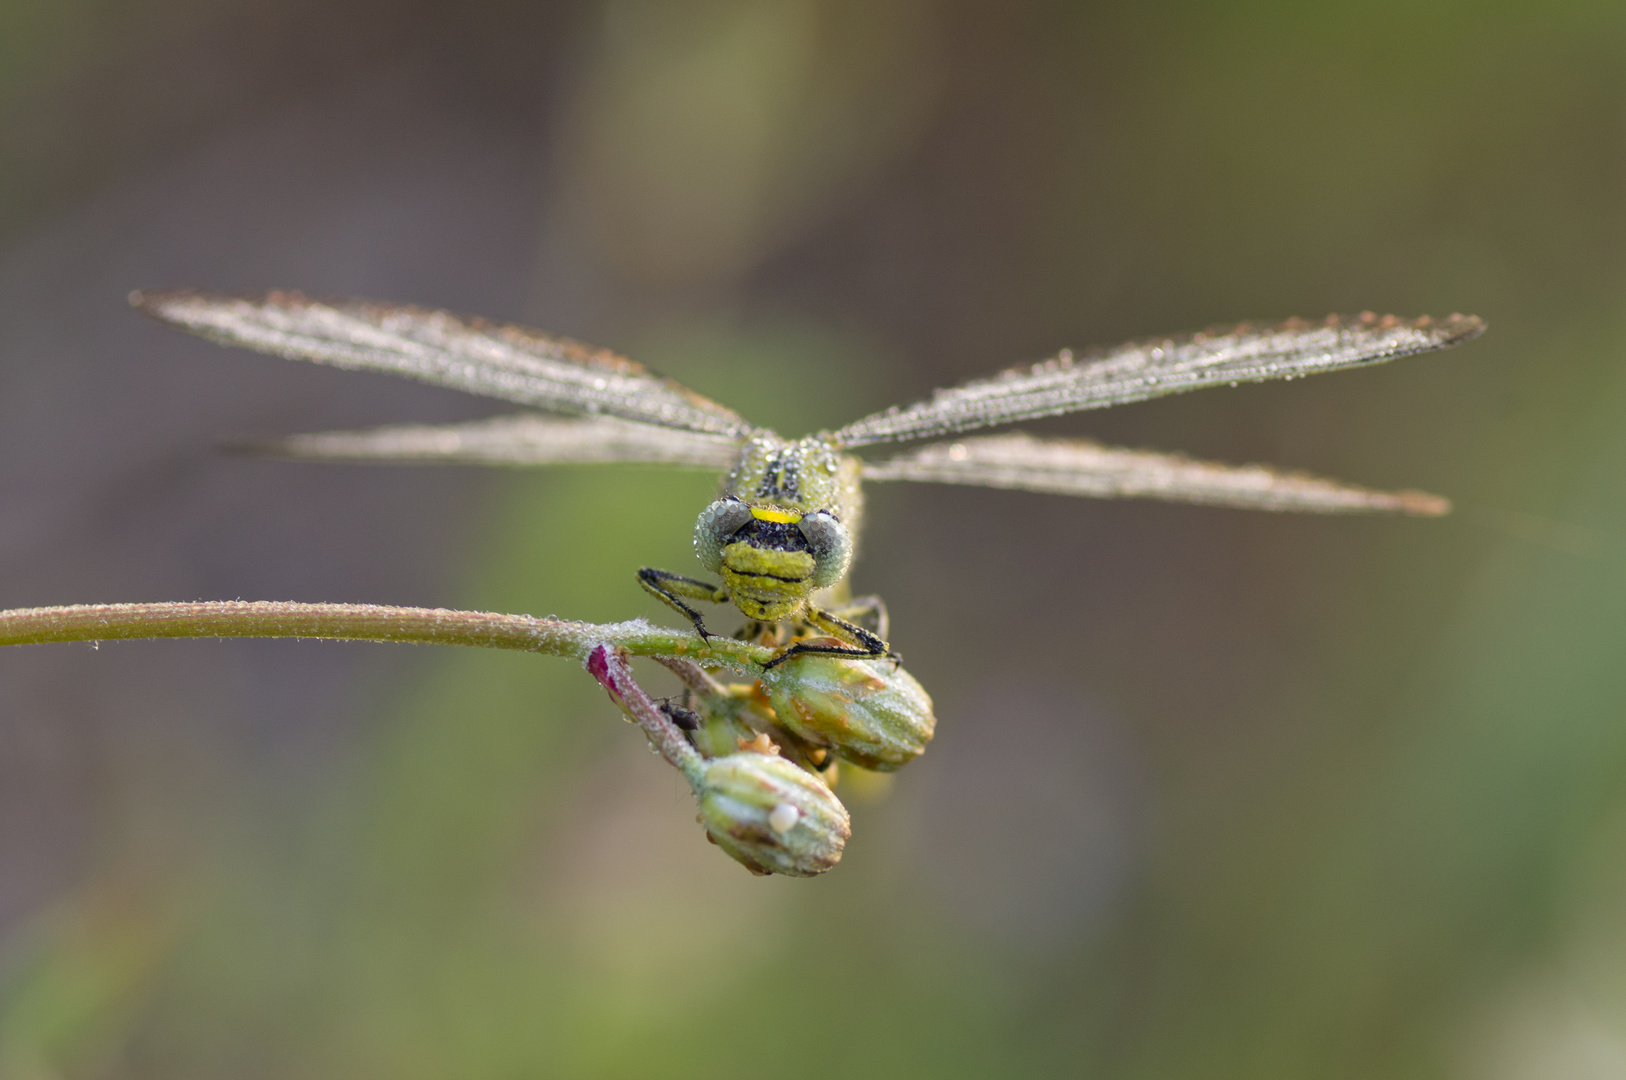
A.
x: 495, y: 360
x: 1147, y: 369
x: 511, y: 440
x: 1079, y: 467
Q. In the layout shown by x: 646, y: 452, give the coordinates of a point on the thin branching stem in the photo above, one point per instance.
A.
x: 609, y: 666
x: 693, y: 675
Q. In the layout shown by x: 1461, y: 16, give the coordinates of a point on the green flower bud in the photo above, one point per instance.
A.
x: 870, y: 712
x: 771, y: 815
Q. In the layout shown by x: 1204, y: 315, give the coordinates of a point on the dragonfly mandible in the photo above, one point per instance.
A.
x: 781, y: 533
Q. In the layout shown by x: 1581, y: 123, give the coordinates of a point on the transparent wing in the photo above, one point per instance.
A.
x: 1147, y: 369
x: 510, y: 440
x: 1077, y: 467
x: 491, y: 359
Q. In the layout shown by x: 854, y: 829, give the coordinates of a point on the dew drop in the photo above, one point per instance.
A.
x: 783, y: 817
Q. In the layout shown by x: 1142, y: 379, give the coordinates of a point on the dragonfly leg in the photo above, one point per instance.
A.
x: 865, y: 645
x: 668, y: 587
x: 866, y: 611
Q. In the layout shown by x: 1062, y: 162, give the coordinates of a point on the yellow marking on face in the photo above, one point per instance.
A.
x: 787, y: 567
x: 766, y: 584
x: 778, y: 517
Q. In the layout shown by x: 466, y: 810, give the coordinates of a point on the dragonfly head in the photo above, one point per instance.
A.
x: 771, y: 559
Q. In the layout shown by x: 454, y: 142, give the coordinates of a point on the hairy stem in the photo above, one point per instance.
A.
x: 366, y: 622
x: 693, y: 675
x: 609, y: 666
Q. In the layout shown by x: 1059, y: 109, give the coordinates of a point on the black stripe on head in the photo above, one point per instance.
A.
x: 780, y: 480
x: 768, y: 577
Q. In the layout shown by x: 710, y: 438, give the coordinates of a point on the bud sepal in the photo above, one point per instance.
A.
x: 870, y: 712
x: 771, y: 815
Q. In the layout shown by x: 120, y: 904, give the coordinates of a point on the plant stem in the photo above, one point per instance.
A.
x: 693, y: 675
x: 366, y: 622
x: 609, y: 666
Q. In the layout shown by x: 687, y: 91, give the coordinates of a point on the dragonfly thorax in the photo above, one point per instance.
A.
x: 798, y: 476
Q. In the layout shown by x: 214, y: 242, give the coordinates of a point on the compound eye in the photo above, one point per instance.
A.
x: 830, y: 544
x: 717, y: 524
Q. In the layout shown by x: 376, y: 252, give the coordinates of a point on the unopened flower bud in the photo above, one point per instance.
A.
x: 771, y: 815
x: 871, y: 712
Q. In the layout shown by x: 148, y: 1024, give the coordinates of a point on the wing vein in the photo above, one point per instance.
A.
x: 1079, y: 467
x: 521, y: 440
x: 1147, y: 369
x: 507, y: 362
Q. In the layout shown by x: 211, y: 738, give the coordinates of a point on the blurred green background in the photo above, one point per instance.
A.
x: 1214, y: 794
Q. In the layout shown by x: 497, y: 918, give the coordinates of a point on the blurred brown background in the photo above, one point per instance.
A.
x: 1214, y: 794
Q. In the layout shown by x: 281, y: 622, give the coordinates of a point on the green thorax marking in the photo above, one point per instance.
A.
x: 798, y: 478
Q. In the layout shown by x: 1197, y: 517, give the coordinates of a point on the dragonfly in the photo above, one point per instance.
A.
x: 781, y: 533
